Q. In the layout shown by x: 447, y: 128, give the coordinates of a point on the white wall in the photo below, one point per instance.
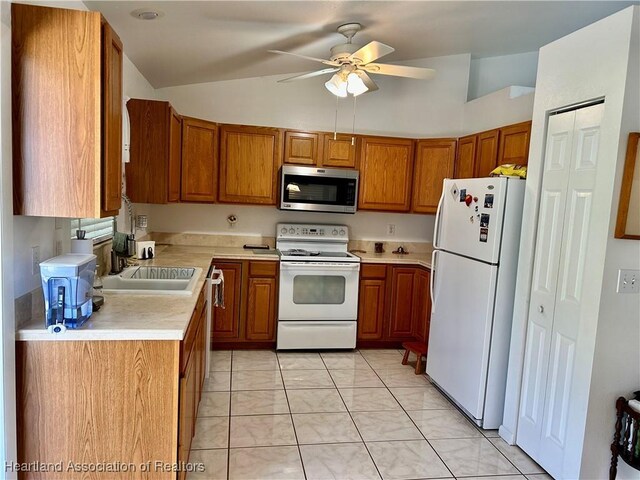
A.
x: 402, y: 107
x: 513, y: 104
x: 261, y: 221
x: 490, y: 74
x: 616, y: 366
x: 588, y: 64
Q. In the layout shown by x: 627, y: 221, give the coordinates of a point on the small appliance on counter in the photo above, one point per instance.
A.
x: 67, y: 284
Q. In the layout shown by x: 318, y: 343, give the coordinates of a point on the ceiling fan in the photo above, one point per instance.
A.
x: 351, y: 65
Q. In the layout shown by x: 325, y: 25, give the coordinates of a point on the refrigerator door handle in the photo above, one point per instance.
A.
x: 436, y: 228
x: 432, y: 280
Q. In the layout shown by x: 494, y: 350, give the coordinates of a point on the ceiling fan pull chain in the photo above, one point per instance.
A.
x: 335, y: 121
x: 353, y: 127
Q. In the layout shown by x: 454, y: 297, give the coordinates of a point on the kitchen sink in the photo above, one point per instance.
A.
x: 153, y: 281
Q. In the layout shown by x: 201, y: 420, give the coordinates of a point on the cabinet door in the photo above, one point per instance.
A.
x: 487, y: 153
x: 301, y: 148
x: 386, y: 168
x: 434, y: 162
x: 111, y: 121
x: 226, y: 321
x: 175, y: 155
x: 340, y: 152
x: 514, y: 144
x: 371, y: 309
x: 421, y: 305
x: 465, y: 160
x: 146, y: 172
x: 401, y: 314
x: 199, y: 160
x: 249, y: 161
x: 261, y: 309
x: 186, y: 407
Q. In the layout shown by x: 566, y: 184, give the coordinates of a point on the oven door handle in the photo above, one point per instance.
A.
x: 333, y: 267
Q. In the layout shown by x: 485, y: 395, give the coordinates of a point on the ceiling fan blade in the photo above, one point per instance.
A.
x: 371, y: 85
x: 321, y: 60
x: 400, y: 71
x: 371, y: 51
x: 309, y: 75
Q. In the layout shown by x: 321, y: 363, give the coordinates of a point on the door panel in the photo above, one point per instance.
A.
x: 435, y: 160
x: 371, y: 309
x: 301, y: 148
x: 340, y: 152
x: 514, y: 144
x: 225, y: 323
x: 465, y: 161
x: 261, y: 309
x: 460, y: 332
x: 199, y: 161
x: 175, y: 155
x: 545, y: 279
x: 487, y: 153
x: 400, y: 316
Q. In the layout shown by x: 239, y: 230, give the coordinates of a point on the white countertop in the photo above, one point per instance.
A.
x: 166, y: 317
x: 145, y: 317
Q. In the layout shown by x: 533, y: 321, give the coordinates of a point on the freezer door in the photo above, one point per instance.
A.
x: 472, y: 230
x: 461, y: 322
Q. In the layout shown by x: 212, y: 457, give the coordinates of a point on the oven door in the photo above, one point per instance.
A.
x: 318, y: 291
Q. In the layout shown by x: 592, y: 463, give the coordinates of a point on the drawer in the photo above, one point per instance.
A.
x: 263, y: 269
x: 372, y: 270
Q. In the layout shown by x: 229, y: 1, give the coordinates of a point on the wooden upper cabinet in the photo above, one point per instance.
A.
x: 153, y: 172
x: 487, y: 153
x: 199, y: 160
x: 339, y: 152
x: 466, y: 157
x: 175, y: 155
x: 435, y: 160
x: 66, y: 75
x: 111, y: 174
x: 386, y: 168
x: 249, y: 161
x: 301, y: 148
x: 514, y: 144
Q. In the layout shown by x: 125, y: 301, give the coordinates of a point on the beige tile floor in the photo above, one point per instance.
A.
x: 339, y: 415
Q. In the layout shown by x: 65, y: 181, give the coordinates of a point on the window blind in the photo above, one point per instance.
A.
x: 98, y: 229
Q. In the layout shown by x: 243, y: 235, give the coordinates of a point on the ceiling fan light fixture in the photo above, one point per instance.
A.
x: 355, y: 85
x: 337, y: 86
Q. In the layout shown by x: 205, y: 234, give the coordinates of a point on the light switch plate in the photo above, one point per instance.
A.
x: 628, y: 281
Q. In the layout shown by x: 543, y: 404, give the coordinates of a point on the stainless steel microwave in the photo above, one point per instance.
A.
x: 319, y: 189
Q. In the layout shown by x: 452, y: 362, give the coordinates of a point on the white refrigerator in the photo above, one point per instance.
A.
x: 476, y: 241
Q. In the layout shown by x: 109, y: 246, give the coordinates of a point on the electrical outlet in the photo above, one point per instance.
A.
x: 391, y: 229
x: 628, y: 281
x: 35, y: 260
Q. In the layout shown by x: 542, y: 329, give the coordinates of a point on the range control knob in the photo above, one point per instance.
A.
x: 292, y: 231
x: 283, y: 230
x: 334, y: 232
x: 342, y: 231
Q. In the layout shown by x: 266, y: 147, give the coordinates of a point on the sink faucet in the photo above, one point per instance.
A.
x: 131, y: 238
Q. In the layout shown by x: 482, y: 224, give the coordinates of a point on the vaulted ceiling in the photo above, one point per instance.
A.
x: 204, y: 41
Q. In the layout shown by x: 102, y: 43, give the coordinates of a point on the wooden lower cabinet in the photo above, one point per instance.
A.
x: 250, y: 298
x: 142, y: 405
x: 394, y: 305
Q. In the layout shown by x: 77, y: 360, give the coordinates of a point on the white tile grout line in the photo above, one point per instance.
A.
x: 351, y: 417
x: 293, y: 425
x: 349, y: 412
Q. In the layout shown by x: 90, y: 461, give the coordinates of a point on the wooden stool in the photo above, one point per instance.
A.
x: 420, y: 349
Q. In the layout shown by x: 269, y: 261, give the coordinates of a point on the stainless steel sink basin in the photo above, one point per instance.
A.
x: 153, y: 281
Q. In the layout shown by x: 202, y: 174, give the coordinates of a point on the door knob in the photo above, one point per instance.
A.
x: 541, y: 309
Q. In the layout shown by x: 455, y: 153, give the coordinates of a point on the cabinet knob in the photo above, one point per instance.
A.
x: 541, y: 309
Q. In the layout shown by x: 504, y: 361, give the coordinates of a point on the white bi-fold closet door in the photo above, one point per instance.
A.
x: 567, y: 215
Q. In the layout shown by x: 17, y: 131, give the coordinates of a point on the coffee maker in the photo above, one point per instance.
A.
x: 67, y: 284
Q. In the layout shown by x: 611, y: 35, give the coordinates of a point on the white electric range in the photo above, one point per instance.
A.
x: 318, y: 295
